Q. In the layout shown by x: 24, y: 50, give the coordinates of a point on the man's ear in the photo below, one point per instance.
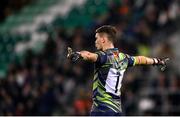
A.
x: 103, y: 39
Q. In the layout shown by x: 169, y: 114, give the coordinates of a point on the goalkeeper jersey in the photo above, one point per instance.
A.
x: 109, y: 70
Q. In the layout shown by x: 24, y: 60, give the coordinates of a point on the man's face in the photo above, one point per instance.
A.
x: 98, y: 42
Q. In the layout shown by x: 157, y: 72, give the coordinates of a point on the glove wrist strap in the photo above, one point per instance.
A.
x: 155, y: 61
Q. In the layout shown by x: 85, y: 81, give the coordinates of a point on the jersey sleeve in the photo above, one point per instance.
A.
x: 131, y: 60
x: 102, y: 57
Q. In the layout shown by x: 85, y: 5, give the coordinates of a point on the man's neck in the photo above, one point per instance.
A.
x: 108, y: 46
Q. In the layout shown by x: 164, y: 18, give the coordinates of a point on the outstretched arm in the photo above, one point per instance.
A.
x: 142, y: 60
x: 85, y: 55
x: 88, y: 56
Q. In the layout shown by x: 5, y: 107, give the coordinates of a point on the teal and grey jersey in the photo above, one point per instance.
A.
x: 109, y: 71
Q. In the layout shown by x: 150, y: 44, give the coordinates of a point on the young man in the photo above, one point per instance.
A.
x: 110, y: 65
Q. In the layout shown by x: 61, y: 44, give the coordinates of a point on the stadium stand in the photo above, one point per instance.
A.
x: 37, y: 79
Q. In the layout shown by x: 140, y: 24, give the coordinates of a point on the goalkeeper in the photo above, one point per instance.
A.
x: 110, y: 65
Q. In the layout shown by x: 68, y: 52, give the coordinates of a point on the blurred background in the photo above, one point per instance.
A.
x: 37, y: 79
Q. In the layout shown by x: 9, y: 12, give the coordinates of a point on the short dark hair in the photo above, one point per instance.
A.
x: 109, y: 30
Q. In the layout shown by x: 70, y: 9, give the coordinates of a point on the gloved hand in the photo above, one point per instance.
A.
x: 161, y: 63
x: 73, y: 56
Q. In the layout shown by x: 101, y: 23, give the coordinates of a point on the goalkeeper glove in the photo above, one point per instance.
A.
x: 73, y: 56
x: 161, y: 63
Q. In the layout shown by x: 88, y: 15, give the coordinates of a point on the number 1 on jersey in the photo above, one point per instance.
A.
x: 117, y: 82
x: 113, y: 81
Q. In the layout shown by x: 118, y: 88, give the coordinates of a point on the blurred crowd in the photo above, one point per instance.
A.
x: 9, y: 7
x: 49, y: 84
